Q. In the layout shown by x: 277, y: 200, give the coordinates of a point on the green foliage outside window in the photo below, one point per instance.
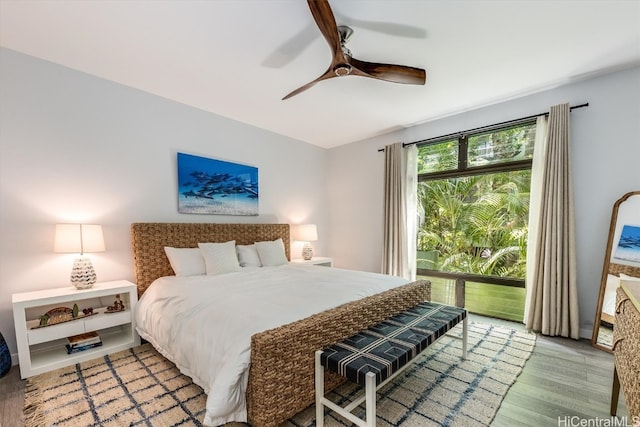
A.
x: 506, y: 145
x: 439, y: 157
x: 476, y: 224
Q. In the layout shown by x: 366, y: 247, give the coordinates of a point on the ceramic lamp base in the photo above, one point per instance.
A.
x: 307, y: 252
x: 83, y: 276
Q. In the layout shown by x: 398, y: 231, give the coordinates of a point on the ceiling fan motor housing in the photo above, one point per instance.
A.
x: 342, y: 69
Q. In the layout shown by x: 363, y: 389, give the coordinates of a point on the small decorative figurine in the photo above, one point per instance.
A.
x: 118, y: 305
x: 75, y: 311
x: 44, y: 319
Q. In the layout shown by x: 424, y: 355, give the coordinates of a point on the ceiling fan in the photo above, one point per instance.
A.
x: 343, y: 64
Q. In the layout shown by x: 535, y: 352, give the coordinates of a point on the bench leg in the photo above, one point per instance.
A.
x: 464, y: 337
x: 319, y: 390
x: 370, y: 399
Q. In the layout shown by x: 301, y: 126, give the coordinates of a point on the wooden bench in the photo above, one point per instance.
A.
x: 375, y: 356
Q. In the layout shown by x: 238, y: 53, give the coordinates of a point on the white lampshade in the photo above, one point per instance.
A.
x: 80, y: 238
x: 306, y: 233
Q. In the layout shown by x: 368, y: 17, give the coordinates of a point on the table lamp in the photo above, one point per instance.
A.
x: 80, y: 238
x: 306, y: 233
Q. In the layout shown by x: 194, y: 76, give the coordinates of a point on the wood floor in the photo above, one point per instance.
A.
x: 563, y: 379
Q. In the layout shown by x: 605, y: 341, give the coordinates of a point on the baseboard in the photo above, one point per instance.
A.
x: 586, y: 333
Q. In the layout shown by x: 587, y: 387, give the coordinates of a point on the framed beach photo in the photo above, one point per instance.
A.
x: 210, y: 186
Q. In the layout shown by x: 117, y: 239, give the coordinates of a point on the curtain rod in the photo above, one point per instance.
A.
x: 406, y: 144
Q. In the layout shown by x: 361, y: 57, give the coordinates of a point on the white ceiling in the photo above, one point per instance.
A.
x: 238, y: 58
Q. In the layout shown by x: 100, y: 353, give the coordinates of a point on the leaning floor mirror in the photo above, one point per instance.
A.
x: 621, y: 262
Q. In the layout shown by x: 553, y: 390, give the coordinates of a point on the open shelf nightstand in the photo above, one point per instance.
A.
x: 42, y: 348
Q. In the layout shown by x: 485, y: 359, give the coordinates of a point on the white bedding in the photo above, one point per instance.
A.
x: 204, y: 324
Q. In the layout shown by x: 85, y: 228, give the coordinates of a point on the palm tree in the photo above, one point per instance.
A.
x: 477, y: 224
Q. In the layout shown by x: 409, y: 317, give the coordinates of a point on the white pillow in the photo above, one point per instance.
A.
x: 627, y: 277
x: 248, y: 256
x: 271, y: 253
x: 185, y: 261
x: 220, y: 258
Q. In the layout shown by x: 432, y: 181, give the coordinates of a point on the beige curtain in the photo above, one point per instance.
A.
x: 552, y: 300
x: 537, y: 174
x: 400, y: 198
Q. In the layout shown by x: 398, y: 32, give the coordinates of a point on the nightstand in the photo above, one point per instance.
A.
x: 316, y: 260
x: 42, y: 348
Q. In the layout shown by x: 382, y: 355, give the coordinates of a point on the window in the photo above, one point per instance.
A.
x: 473, y: 201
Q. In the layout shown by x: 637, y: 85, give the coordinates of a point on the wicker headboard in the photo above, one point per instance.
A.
x: 149, y: 239
x: 625, y: 269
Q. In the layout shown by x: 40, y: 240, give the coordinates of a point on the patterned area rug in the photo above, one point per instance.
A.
x: 140, y: 387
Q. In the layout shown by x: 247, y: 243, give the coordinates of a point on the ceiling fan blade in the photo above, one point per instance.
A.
x: 389, y: 72
x: 390, y: 28
x: 292, y: 48
x: 327, y: 75
x: 326, y: 22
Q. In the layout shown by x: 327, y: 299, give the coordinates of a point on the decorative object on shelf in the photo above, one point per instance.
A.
x: 72, y: 350
x: 44, y: 320
x: 61, y: 315
x: 306, y: 233
x: 82, y: 342
x: 84, y: 339
x: 209, y: 186
x: 118, y: 305
x: 5, y: 357
x: 80, y: 238
x: 75, y: 310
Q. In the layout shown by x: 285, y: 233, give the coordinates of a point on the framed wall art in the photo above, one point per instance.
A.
x: 210, y: 186
x: 629, y: 244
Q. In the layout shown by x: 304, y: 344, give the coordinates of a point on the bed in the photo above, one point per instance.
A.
x: 280, y: 376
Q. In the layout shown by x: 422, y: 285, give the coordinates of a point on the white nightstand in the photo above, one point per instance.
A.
x: 316, y: 260
x: 42, y: 348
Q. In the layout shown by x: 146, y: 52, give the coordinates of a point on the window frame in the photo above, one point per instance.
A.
x: 462, y: 171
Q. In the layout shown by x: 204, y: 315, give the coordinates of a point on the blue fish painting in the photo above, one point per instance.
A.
x: 629, y: 245
x: 209, y: 186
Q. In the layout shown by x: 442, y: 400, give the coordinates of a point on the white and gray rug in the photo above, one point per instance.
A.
x: 140, y: 387
x: 440, y: 389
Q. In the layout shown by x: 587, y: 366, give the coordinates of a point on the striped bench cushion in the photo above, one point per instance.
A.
x: 391, y: 344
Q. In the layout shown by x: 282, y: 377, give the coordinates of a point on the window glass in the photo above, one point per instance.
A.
x: 501, y: 146
x: 475, y: 224
x: 438, y: 157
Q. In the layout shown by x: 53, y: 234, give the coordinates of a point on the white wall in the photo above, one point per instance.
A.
x: 606, y: 154
x: 74, y: 147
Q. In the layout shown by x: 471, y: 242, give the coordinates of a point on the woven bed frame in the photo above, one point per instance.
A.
x: 281, y: 376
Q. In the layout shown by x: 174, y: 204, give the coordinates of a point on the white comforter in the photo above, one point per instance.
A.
x: 204, y: 324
